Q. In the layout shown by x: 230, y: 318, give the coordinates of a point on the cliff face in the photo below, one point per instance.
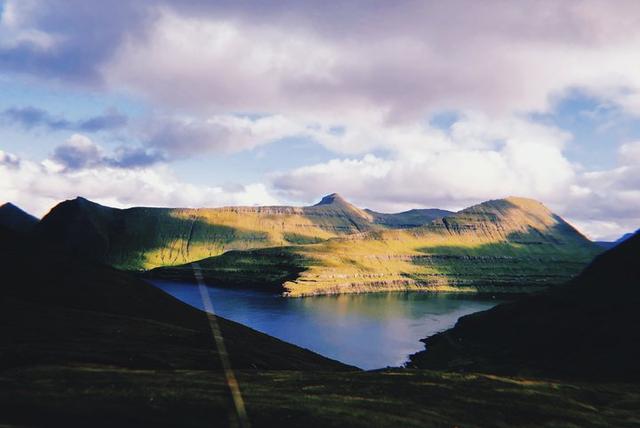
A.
x: 588, y: 328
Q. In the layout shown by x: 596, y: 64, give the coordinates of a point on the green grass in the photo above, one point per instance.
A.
x: 107, y: 396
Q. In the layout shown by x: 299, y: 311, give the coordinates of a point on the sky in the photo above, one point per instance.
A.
x: 395, y: 105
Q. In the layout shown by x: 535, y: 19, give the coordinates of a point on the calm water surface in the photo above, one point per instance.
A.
x: 366, y: 330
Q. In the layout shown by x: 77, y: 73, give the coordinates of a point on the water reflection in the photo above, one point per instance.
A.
x: 366, y: 330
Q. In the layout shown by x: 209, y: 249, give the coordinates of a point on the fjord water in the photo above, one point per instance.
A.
x: 366, y: 330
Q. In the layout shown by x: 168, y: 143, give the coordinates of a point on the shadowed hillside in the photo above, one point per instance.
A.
x: 108, y: 397
x: 589, y: 328
x: 15, y: 219
x: 56, y: 309
x: 509, y: 245
x: 86, y: 345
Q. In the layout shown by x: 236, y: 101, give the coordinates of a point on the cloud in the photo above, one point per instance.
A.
x: 37, y: 186
x: 360, y: 78
x: 33, y: 117
x: 478, y: 159
x: 404, y: 59
x: 420, y: 58
x: 218, y: 133
x: 9, y: 160
x: 80, y: 152
x: 66, y: 40
x: 475, y: 159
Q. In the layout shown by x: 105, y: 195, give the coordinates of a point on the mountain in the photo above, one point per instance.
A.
x: 15, y: 219
x: 610, y: 244
x: 408, y: 219
x: 588, y: 328
x: 56, y: 309
x: 507, y: 245
x: 142, y: 238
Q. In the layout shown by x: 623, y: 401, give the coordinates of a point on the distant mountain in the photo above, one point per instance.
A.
x: 13, y: 218
x: 140, y: 238
x: 56, y: 309
x: 408, y: 219
x: 588, y: 328
x: 507, y: 245
x: 610, y: 244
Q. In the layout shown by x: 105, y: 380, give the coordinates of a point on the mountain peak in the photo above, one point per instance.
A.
x: 9, y: 206
x: 16, y: 219
x: 333, y: 198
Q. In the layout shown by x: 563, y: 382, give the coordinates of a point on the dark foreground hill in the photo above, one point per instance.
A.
x: 589, y: 328
x: 56, y: 309
x: 85, y: 345
x: 610, y: 244
x: 15, y: 219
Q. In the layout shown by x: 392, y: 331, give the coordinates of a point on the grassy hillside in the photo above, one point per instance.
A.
x: 588, y: 328
x: 509, y: 245
x: 142, y: 238
x: 100, y: 396
x: 56, y: 309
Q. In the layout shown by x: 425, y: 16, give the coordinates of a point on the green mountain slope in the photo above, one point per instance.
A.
x: 142, y: 238
x: 589, y: 328
x: 55, y: 309
x: 512, y: 245
x: 508, y: 245
x: 13, y: 218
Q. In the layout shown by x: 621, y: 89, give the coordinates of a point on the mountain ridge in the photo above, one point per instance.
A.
x: 508, y: 245
x: 81, y: 224
x: 16, y: 219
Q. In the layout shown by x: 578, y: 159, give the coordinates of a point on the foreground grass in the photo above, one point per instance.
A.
x: 107, y: 396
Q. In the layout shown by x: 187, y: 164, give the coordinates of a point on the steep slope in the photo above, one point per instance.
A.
x: 13, y: 218
x: 142, y: 238
x: 588, y: 328
x: 56, y: 309
x: 508, y: 245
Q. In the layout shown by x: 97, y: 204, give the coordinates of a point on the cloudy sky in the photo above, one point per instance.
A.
x: 395, y: 105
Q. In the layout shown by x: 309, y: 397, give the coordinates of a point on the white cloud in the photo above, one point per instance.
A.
x: 360, y: 80
x: 218, y: 133
x: 629, y: 153
x: 16, y: 29
x: 417, y: 59
x: 481, y: 159
x: 37, y: 186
